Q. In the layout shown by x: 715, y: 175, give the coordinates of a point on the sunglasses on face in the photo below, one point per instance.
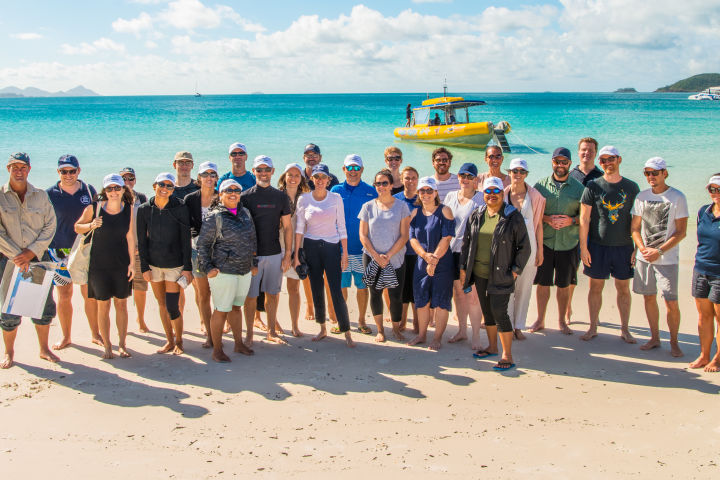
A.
x: 714, y: 189
x: 70, y: 171
x: 263, y: 169
x: 384, y: 183
x: 184, y: 163
x: 607, y: 159
x: 426, y: 191
x: 492, y: 191
x: 207, y: 174
x: 394, y: 158
x: 232, y: 190
x: 319, y: 177
x: 116, y: 188
x: 518, y: 171
x: 495, y: 157
x: 238, y: 154
x: 466, y: 176
x: 166, y: 186
x: 561, y: 162
x: 353, y: 168
x: 129, y: 179
x: 652, y: 173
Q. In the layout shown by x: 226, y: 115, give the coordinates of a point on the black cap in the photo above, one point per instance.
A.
x: 562, y: 152
x: 311, y: 147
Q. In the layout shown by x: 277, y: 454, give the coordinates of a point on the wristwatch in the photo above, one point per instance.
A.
x: 660, y: 251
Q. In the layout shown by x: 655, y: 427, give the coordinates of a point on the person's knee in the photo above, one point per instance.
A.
x: 293, y: 288
x: 172, y: 304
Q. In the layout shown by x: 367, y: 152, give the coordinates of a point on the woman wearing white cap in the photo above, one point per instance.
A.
x: 432, y: 227
x: 706, y: 277
x: 198, y: 205
x: 227, y: 248
x: 112, y: 256
x: 293, y: 183
x: 531, y: 205
x: 163, y: 236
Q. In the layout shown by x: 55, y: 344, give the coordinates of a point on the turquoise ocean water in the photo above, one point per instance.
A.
x: 107, y: 133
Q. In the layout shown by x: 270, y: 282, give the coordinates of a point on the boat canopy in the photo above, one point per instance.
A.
x: 455, y: 102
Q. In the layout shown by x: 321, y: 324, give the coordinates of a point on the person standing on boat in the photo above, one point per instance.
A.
x: 69, y: 197
x: 183, y: 165
x: 494, y: 158
x: 659, y: 223
x: 408, y: 114
x: 606, y: 246
x: 445, y: 181
x: 237, y: 153
x: 409, y: 178
x: 561, y: 254
x: 393, y: 160
x: 355, y: 193
x: 586, y: 170
x: 312, y: 157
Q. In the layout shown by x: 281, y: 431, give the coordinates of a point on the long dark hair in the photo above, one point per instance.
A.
x: 128, y: 197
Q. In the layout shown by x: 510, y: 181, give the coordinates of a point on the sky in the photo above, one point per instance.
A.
x: 159, y: 47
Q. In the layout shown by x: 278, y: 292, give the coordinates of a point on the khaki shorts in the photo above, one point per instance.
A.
x: 165, y: 274
x: 139, y: 282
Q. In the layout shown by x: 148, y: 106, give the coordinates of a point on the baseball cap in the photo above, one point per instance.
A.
x: 113, y: 179
x: 208, y: 167
x: 311, y: 147
x: 183, y: 156
x: 656, y: 163
x: 320, y: 168
x: 714, y: 180
x: 427, y: 182
x: 608, y: 150
x: 562, y: 152
x: 165, y: 176
x: 229, y: 183
x: 68, y: 161
x: 493, y: 182
x: 127, y: 170
x: 353, y: 159
x: 262, y: 160
x: 468, y: 168
x: 237, y: 145
x: 518, y: 163
x: 19, y: 157
x: 293, y: 165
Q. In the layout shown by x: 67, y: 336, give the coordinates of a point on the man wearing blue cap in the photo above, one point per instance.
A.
x: 237, y: 153
x: 69, y: 197
x: 27, y: 226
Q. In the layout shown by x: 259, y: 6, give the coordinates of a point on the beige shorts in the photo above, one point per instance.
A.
x: 139, y: 282
x: 165, y: 274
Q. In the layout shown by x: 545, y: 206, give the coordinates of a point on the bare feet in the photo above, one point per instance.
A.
x: 537, y: 326
x: 397, y: 333
x: 699, y: 362
x: 144, y: 328
x: 321, y: 335
x: 168, y: 347
x: 47, y: 354
x: 569, y: 314
x: 227, y: 328
x: 260, y: 325
x: 296, y: 332
x: 380, y: 337
x: 417, y: 340
x: 565, y: 329
x: 627, y: 337
x: 97, y: 340
x: 278, y: 329
x: 432, y: 322
x: 64, y: 343
x: 589, y: 335
x: 241, y: 348
x: 248, y: 342
x: 476, y: 345
x: 202, y: 329
x: 713, y: 366
x: 310, y: 314
x: 7, y: 361
x: 275, y: 339
x: 675, y: 350
x: 653, y: 343
x: 458, y: 337
x: 348, y: 340
x: 220, y: 357
x: 435, y: 345
x: 387, y: 320
x: 124, y: 353
x: 207, y: 343
x: 178, y: 350
x: 518, y: 334
x: 108, y: 354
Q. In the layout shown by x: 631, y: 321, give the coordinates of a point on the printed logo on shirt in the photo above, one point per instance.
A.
x: 614, y: 208
x: 85, y: 200
x: 265, y: 205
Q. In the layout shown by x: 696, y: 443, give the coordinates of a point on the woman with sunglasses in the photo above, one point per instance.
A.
x: 112, y: 257
x: 462, y: 203
x: 531, y: 205
x: 706, y: 277
x: 198, y: 204
x: 163, y: 236
x: 293, y: 183
x: 384, y: 227
x: 227, y: 248
x: 495, y: 250
x: 432, y: 227
x: 321, y: 223
x: 393, y: 160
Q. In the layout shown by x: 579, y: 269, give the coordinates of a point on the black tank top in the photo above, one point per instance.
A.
x: 110, y: 248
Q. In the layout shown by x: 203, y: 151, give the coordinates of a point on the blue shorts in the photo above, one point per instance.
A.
x: 354, y: 273
x: 606, y: 261
x: 436, y: 290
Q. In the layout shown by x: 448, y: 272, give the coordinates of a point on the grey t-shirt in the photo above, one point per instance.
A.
x: 384, y: 227
x: 610, y: 216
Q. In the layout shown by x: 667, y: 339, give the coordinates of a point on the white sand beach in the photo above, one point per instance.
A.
x: 572, y: 409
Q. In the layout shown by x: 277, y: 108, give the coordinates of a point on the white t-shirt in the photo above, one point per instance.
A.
x: 447, y: 186
x: 321, y: 220
x: 461, y: 214
x: 658, y: 213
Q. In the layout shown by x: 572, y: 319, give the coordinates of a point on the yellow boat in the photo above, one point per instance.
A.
x: 447, y: 120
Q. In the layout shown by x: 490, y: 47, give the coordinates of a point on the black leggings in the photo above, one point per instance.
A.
x: 494, y: 306
x: 395, y: 294
x: 324, y: 257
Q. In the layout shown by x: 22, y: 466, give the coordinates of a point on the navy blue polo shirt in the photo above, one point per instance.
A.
x: 707, y: 258
x: 68, y: 209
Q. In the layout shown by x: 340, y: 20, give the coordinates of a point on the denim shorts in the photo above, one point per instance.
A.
x: 706, y: 286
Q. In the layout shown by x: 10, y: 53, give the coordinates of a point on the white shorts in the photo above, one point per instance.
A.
x: 229, y: 290
x: 165, y: 274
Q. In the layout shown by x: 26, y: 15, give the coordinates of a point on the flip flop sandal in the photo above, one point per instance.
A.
x: 335, y: 330
x: 365, y: 329
x: 483, y: 354
x: 503, y: 366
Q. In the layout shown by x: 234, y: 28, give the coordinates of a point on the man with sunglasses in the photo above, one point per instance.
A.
x: 69, y: 197
x: 355, y: 193
x: 237, y: 153
x: 446, y: 182
x: 659, y: 223
x: 312, y: 157
x: 606, y: 246
x: 270, y: 210
x: 561, y: 256
x: 183, y: 165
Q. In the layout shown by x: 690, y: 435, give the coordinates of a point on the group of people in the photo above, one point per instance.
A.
x: 480, y: 240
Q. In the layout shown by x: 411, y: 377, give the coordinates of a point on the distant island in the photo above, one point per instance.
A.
x: 626, y: 90
x: 15, y: 92
x: 696, y: 83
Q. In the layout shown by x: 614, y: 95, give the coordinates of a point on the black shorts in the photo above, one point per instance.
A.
x: 706, y: 286
x: 559, y: 268
x: 608, y: 260
x: 407, y: 294
x: 456, y: 265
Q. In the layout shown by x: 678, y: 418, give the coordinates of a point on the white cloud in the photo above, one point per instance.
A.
x: 135, y: 26
x: 193, y: 14
x: 99, y: 45
x: 26, y: 36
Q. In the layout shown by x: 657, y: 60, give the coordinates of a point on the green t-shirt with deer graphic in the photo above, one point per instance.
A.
x: 610, y: 217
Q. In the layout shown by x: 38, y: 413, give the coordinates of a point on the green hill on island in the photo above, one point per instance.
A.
x: 696, y: 83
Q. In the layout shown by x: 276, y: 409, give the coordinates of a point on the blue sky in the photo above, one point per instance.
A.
x: 165, y: 46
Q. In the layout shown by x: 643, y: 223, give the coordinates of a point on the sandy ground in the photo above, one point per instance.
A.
x: 571, y: 409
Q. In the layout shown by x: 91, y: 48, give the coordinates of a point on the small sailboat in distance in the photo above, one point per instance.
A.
x: 197, y: 93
